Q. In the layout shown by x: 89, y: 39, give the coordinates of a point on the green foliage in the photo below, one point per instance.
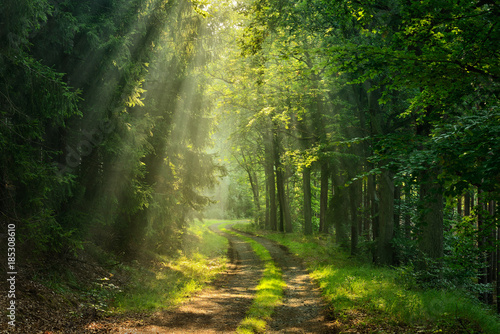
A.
x: 468, y: 147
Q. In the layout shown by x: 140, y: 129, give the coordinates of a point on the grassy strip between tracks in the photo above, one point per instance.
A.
x: 269, y: 291
x: 372, y: 299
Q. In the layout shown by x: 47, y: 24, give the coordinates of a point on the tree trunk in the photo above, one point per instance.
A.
x: 372, y: 194
x: 306, y: 185
x: 431, y: 215
x: 354, y: 199
x: 271, y: 184
x: 365, y: 230
x: 498, y: 270
x: 285, y: 219
x: 459, y: 206
x: 254, y: 184
x: 397, y: 211
x: 339, y: 212
x: 385, y: 251
x: 285, y: 224
x: 481, y: 244
x: 467, y: 204
x: 407, y: 216
x: 323, y: 199
x: 267, y: 215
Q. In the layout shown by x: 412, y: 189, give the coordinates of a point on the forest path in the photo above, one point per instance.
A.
x: 221, y: 307
x: 217, y: 309
x: 302, y: 310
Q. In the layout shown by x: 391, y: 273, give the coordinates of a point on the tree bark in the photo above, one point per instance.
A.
x: 354, y: 201
x: 431, y: 215
x: 459, y: 206
x: 385, y: 251
x: 339, y: 204
x: 254, y: 185
x: 323, y: 199
x: 467, y: 204
x: 285, y: 224
x: 407, y: 217
x: 271, y: 184
x: 372, y: 193
x: 256, y: 198
x: 306, y: 185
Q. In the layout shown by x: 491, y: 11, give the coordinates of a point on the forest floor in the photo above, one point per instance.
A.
x: 225, y: 304
x: 220, y: 308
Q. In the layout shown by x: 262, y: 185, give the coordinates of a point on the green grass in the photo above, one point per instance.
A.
x: 377, y: 299
x: 173, y: 280
x: 269, y: 291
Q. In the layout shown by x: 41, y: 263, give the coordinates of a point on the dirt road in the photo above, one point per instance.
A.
x: 302, y: 310
x: 221, y: 307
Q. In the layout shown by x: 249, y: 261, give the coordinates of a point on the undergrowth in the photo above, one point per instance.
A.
x: 375, y: 299
x: 173, y: 279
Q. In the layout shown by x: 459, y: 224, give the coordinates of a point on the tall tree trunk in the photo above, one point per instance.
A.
x: 397, y: 219
x: 486, y: 243
x: 288, y: 220
x: 431, y: 215
x: 459, y: 206
x: 254, y: 184
x: 354, y: 201
x: 492, y: 260
x: 385, y: 251
x: 267, y: 215
x: 383, y: 228
x: 498, y: 270
x: 323, y: 198
x: 365, y: 230
x: 397, y: 211
x: 285, y: 224
x: 270, y: 183
x: 256, y: 199
x: 482, y: 244
x: 285, y: 219
x: 431, y: 241
x: 493, y: 246
x: 339, y: 204
x: 305, y: 141
x: 374, y: 201
x: 467, y: 204
x: 407, y: 216
x: 306, y: 185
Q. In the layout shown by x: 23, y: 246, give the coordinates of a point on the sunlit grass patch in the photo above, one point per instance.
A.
x: 269, y: 291
x: 200, y: 239
x: 174, y: 279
